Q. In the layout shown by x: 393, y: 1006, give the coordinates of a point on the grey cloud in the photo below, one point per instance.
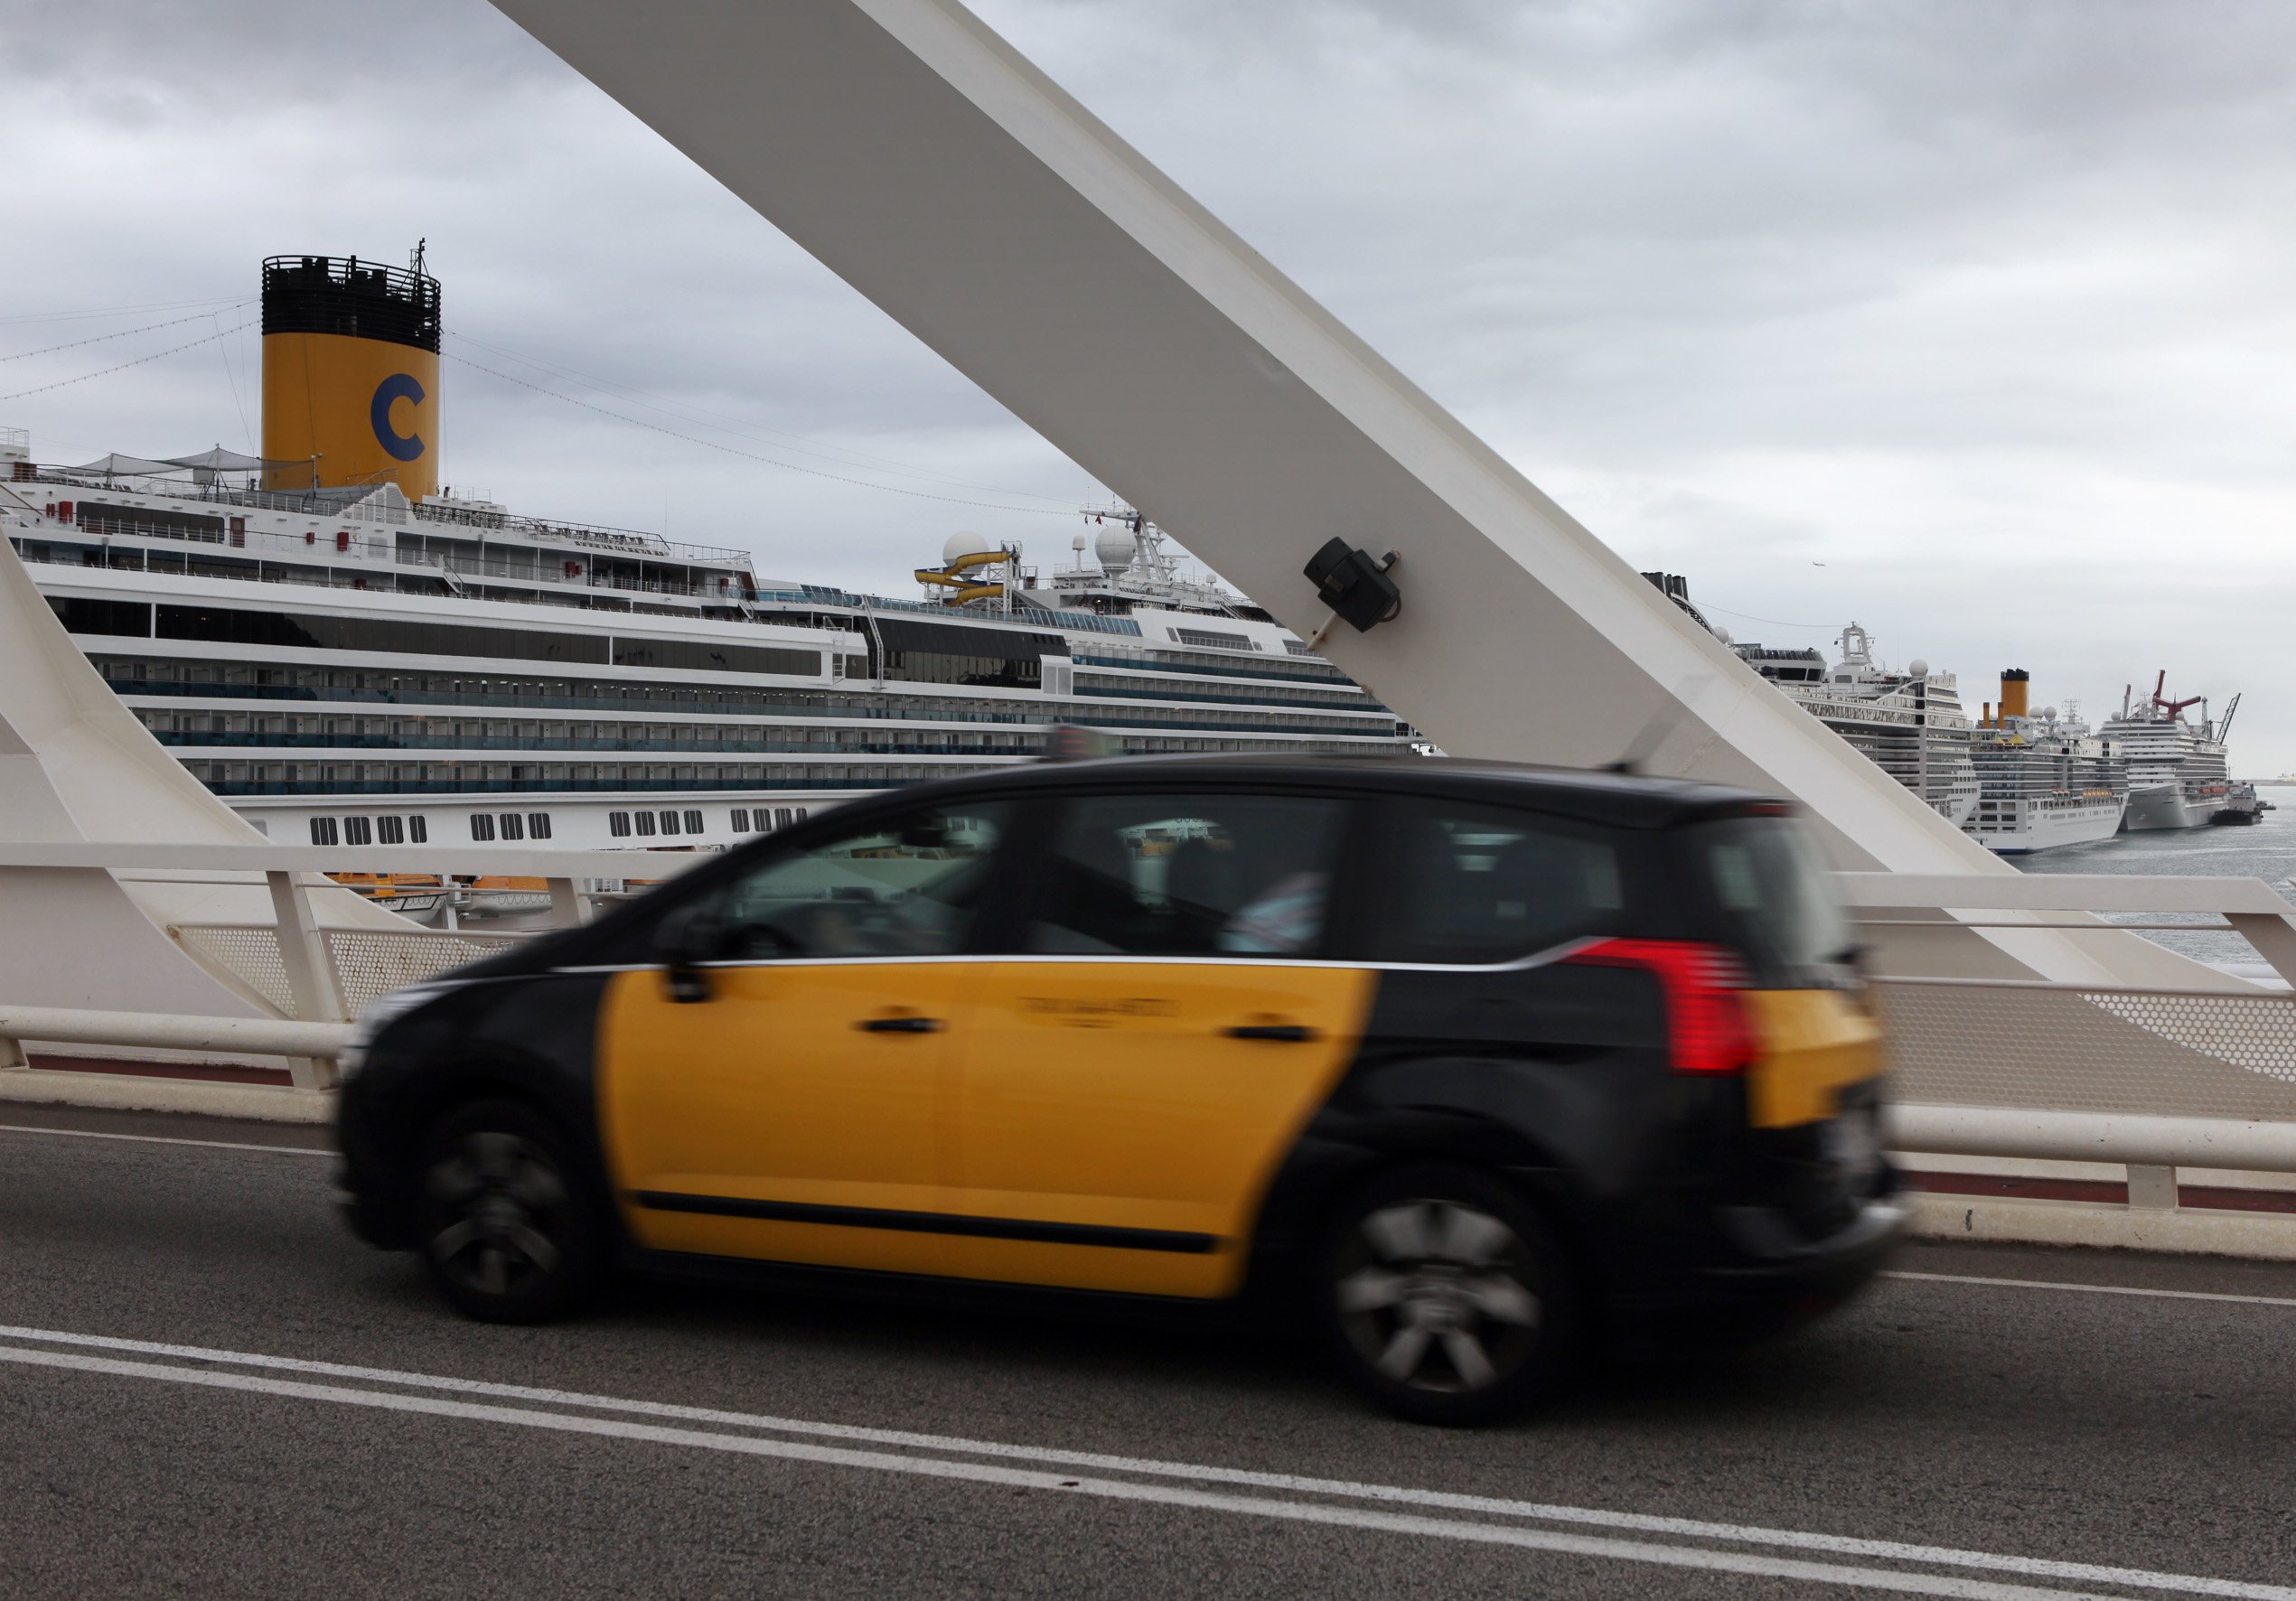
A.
x: 1984, y: 305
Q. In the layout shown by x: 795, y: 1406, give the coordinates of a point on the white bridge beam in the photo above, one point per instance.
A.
x: 923, y: 160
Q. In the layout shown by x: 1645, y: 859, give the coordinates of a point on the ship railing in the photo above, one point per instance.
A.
x: 2151, y: 1078
x: 629, y: 542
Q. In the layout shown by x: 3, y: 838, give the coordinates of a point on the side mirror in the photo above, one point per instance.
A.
x: 683, y: 940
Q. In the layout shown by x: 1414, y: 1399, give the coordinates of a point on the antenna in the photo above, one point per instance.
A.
x: 415, y: 261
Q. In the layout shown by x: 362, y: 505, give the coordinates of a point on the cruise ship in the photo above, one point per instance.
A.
x: 2046, y: 779
x: 2179, y: 777
x: 347, y: 653
x: 1910, y: 723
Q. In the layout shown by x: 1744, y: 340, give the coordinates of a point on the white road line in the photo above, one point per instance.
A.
x: 2096, y: 1289
x: 1692, y: 1528
x: 212, y: 1145
x: 1538, y: 1540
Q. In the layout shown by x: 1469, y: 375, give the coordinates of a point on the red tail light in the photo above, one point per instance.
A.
x: 1708, y: 1030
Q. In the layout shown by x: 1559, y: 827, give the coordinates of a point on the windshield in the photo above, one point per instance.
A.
x: 1781, y: 909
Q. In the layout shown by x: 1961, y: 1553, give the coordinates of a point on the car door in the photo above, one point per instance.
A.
x: 1164, y: 1021
x: 797, y: 1110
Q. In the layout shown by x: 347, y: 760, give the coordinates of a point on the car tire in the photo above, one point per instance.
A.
x: 1444, y: 1296
x: 503, y: 1220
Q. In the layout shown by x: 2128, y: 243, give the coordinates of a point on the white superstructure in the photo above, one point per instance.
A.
x: 2048, y: 780
x: 345, y: 664
x: 1910, y: 723
x: 2178, y: 772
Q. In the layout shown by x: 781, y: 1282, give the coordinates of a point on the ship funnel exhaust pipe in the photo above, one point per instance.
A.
x: 349, y: 375
x: 2015, y: 682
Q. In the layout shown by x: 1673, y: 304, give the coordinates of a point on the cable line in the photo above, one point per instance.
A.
x: 124, y: 366
x: 745, y: 454
x: 123, y: 334
x: 225, y: 301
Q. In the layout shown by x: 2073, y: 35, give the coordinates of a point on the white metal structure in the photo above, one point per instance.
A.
x: 2150, y: 1078
x: 932, y: 166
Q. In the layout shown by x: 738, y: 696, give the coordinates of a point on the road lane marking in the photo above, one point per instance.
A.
x: 1640, y: 1522
x: 2095, y: 1289
x: 212, y: 1145
x: 1362, y: 1518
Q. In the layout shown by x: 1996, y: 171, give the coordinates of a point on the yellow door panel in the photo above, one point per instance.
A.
x: 773, y: 1091
x: 1812, y: 1044
x: 1112, y: 1095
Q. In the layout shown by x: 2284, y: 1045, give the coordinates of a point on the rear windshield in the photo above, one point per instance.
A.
x: 1781, y: 910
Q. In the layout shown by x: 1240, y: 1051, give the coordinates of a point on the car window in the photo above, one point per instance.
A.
x: 1475, y: 884
x: 907, y: 886
x: 1189, y: 876
x: 1782, y: 910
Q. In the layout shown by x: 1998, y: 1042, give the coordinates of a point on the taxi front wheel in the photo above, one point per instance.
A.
x: 1445, y: 1298
x: 504, y: 1226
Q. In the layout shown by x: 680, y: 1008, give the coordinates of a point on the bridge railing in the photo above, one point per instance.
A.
x: 301, y: 969
x: 2149, y: 1079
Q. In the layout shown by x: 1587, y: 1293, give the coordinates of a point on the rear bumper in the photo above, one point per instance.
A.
x: 1773, y: 1280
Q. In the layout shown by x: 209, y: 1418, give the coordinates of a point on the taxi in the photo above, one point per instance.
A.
x: 1467, y: 1068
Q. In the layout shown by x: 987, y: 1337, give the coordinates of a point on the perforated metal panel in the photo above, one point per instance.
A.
x: 2166, y: 1053
x: 371, y: 964
x: 249, y: 954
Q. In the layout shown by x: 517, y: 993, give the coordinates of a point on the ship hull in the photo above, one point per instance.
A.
x: 2054, y: 828
x: 2163, y: 807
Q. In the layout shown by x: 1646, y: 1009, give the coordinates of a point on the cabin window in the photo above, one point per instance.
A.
x: 646, y: 823
x: 357, y: 831
x: 390, y: 830
x: 419, y: 829
x: 513, y: 826
x: 481, y: 826
x: 693, y: 822
x: 741, y: 820
x: 538, y: 825
x: 322, y: 831
x: 618, y: 824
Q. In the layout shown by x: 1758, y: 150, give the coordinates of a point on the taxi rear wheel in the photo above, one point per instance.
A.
x: 501, y: 1218
x: 1445, y: 1296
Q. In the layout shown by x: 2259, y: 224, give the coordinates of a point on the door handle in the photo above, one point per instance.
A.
x: 899, y: 1026
x: 1291, y: 1034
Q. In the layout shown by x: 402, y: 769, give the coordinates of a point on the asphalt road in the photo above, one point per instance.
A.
x: 170, y: 1424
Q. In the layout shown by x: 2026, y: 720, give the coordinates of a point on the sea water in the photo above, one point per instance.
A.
x: 2264, y: 849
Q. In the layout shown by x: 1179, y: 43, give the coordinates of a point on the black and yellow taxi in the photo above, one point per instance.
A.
x: 1465, y: 1066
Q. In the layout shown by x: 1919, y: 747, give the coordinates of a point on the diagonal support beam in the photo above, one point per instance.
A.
x: 925, y: 162
x: 929, y: 164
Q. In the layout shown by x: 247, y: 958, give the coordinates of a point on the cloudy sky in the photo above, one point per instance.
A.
x: 1973, y: 322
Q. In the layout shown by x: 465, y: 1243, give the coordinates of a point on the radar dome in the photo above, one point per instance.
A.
x: 2049, y: 714
x: 1722, y: 633
x: 1113, y: 547
x: 965, y: 543
x: 1919, y: 667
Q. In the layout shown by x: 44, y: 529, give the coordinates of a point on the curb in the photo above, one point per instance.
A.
x: 2262, y: 1236
x: 121, y: 1092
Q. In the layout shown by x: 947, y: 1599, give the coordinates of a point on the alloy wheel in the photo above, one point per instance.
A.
x: 1439, y: 1296
x: 499, y: 1208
